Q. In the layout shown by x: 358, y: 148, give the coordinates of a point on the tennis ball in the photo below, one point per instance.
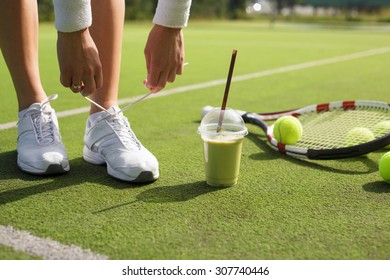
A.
x: 287, y: 130
x: 381, y: 129
x: 358, y: 135
x: 384, y: 167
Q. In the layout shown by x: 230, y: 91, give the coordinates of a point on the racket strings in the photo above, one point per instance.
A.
x: 328, y: 130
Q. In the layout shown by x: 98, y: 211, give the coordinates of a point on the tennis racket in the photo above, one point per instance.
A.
x: 325, y: 127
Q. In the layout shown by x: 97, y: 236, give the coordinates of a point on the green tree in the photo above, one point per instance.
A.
x: 46, y: 10
x: 350, y: 4
x: 236, y: 8
x: 280, y: 4
x: 209, y: 9
x: 139, y: 9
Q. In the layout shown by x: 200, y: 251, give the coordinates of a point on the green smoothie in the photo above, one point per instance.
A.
x: 222, y: 161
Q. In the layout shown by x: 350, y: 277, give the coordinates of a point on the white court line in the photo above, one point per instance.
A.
x: 47, y: 249
x: 245, y: 77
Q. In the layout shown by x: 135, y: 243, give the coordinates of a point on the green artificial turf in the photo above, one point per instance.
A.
x: 7, y: 253
x: 282, y: 207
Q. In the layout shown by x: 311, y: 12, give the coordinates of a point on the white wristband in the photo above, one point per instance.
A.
x: 172, y: 13
x: 72, y: 15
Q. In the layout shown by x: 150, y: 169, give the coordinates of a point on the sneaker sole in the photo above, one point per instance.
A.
x: 52, y: 169
x: 95, y: 158
x: 143, y: 177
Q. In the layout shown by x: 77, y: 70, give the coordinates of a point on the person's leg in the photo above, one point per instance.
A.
x: 108, y: 137
x: 40, y: 150
x: 19, y: 45
x: 106, y: 31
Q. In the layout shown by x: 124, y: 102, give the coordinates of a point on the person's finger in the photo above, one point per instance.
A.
x: 180, y: 69
x: 152, y: 88
x: 89, y: 85
x: 147, y: 60
x: 153, y: 77
x: 76, y: 85
x: 172, y: 76
x: 152, y: 81
x: 147, y: 85
x: 162, y: 81
x: 75, y: 88
x: 66, y: 80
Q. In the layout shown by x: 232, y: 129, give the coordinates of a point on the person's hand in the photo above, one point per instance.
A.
x: 164, y: 54
x: 79, y: 62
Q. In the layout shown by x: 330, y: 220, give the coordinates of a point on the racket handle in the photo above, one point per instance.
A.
x: 250, y: 119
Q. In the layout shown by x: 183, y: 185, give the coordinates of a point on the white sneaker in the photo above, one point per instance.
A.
x: 109, y: 140
x: 40, y: 149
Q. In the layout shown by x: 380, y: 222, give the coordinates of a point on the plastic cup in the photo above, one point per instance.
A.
x: 222, y: 150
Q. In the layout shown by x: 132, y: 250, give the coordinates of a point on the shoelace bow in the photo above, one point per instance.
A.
x: 43, y: 122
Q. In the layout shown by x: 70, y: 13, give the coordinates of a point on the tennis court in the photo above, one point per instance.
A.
x: 282, y: 208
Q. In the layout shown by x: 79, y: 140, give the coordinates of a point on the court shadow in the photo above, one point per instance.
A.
x: 377, y: 187
x: 178, y: 193
x: 9, y: 169
x: 166, y: 194
x: 81, y: 172
x: 341, y: 166
x: 261, y: 142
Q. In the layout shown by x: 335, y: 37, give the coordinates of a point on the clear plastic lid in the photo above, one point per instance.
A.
x: 233, y: 125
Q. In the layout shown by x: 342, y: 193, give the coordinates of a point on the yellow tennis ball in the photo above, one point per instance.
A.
x: 287, y: 130
x: 384, y: 167
x: 358, y: 135
x: 381, y: 129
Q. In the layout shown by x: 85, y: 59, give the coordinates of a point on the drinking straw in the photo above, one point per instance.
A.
x: 227, y: 87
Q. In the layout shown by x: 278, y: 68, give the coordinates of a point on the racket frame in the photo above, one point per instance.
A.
x: 320, y: 154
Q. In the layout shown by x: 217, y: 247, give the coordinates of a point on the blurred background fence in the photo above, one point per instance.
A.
x: 350, y: 10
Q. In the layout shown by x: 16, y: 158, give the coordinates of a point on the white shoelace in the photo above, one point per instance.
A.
x: 43, y: 122
x: 121, y: 126
x: 122, y: 110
